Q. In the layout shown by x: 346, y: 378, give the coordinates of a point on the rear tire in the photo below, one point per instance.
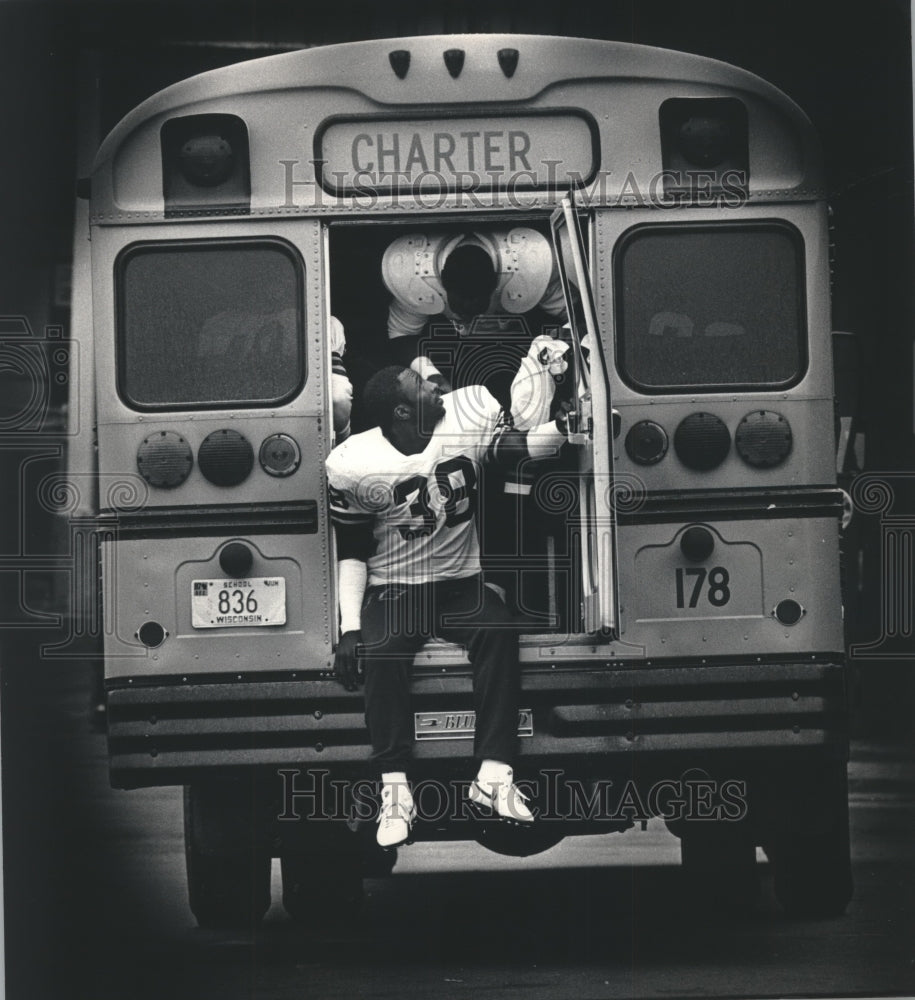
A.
x: 812, y: 868
x: 322, y: 878
x: 228, y: 876
x: 719, y: 867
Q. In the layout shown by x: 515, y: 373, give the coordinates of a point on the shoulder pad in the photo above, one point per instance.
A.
x: 470, y: 408
x: 409, y: 271
x: 337, y: 336
x: 526, y: 264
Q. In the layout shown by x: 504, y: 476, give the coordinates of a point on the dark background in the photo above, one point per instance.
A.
x: 847, y: 65
x: 67, y: 67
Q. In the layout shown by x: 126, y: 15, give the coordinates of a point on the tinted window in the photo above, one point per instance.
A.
x: 210, y: 325
x: 719, y: 307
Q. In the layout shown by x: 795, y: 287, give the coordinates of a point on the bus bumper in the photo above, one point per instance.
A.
x: 592, y: 722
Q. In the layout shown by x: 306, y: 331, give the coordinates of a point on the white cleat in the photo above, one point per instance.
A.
x: 395, y: 818
x: 500, y: 800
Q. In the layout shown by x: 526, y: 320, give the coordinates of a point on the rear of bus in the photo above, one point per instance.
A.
x: 701, y: 636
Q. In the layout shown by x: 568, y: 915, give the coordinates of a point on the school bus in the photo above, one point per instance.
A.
x: 691, y: 662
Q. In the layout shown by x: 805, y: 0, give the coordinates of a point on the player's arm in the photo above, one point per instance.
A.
x: 355, y: 542
x: 518, y: 452
x: 510, y: 446
x: 553, y: 301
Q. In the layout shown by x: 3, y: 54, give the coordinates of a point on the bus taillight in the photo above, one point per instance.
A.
x: 702, y: 441
x: 225, y: 458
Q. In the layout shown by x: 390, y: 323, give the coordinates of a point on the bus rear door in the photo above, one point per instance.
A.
x: 590, y: 430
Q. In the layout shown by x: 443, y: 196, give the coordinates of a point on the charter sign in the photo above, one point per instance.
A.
x: 543, y: 151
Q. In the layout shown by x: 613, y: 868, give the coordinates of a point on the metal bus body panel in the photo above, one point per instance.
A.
x: 811, y: 460
x: 672, y: 606
x: 587, y: 721
x: 81, y: 439
x: 150, y: 579
x: 807, y: 405
x: 308, y: 91
x: 719, y: 680
x: 118, y: 444
x: 122, y: 427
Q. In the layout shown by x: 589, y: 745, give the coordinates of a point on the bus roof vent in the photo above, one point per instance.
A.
x: 508, y: 60
x: 400, y: 62
x: 454, y: 60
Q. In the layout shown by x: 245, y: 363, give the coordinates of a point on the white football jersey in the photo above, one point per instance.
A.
x: 421, y: 507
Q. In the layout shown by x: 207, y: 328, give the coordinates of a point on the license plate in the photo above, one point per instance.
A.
x: 238, y: 603
x: 460, y: 725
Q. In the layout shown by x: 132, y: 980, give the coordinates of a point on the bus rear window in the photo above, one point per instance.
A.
x: 210, y: 325
x: 710, y: 309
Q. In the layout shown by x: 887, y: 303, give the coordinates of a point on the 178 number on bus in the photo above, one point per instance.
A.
x: 695, y: 583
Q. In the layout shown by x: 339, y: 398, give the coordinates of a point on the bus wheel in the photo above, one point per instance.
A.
x: 228, y: 882
x: 516, y: 841
x: 718, y: 861
x: 809, y: 849
x: 321, y: 890
x: 812, y: 872
x: 322, y: 874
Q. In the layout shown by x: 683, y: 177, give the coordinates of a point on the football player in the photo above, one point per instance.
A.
x: 403, y: 500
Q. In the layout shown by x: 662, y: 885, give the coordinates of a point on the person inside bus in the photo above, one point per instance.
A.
x: 469, y: 308
x: 409, y: 570
x: 466, y: 307
x: 341, y: 386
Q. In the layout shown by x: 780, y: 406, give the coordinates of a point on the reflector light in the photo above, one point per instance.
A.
x: 165, y: 459
x: 646, y: 442
x: 763, y: 439
x: 279, y: 455
x: 225, y: 458
x: 151, y: 634
x: 702, y: 441
x: 789, y: 612
x: 454, y: 60
x: 508, y: 61
x: 400, y: 62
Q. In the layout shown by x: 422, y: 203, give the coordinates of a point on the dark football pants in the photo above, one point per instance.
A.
x: 396, y: 621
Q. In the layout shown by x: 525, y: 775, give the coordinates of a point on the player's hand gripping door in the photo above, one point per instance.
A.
x: 590, y: 429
